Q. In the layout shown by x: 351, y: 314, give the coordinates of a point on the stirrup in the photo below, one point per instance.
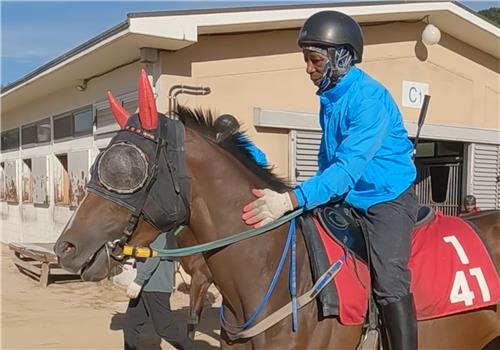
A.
x: 370, y: 340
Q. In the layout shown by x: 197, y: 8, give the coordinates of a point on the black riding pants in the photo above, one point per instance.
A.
x: 157, y: 306
x: 390, y: 226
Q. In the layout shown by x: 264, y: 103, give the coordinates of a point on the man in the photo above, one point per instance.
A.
x: 226, y: 125
x: 149, y: 295
x: 365, y: 158
x: 469, y: 205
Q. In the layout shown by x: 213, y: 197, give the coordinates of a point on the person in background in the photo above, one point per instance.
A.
x: 226, y: 125
x: 365, y: 159
x: 149, y: 295
x: 469, y: 205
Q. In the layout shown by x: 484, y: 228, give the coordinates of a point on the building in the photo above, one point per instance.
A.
x: 55, y: 119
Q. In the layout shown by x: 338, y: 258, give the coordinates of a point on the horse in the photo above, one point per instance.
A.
x: 222, y: 175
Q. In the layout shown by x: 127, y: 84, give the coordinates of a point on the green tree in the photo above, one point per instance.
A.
x: 493, y: 14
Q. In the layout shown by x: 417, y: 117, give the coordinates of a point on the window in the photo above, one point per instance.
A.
x: 425, y: 149
x: 28, y: 134
x: 75, y: 123
x: 439, y: 183
x: 63, y: 127
x: 449, y: 148
x: 131, y: 106
x: 439, y: 149
x: 38, y: 132
x: 43, y: 131
x: 26, y: 182
x: 83, y: 122
x: 10, y: 140
x: 61, y: 180
x: 105, y: 121
x: 104, y: 118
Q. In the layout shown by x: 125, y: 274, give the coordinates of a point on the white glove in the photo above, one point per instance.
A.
x: 270, y: 206
x: 133, y: 290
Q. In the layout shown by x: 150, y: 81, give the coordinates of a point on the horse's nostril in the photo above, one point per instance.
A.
x: 67, y: 248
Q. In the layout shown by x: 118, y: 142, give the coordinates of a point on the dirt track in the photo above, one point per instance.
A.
x: 80, y: 315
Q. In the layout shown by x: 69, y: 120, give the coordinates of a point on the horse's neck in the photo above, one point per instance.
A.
x: 242, y: 271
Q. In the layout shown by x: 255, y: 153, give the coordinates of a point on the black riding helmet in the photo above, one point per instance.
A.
x: 470, y: 199
x: 332, y: 29
x: 226, y: 124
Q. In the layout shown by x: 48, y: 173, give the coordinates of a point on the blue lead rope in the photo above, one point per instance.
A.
x: 232, y: 328
x: 293, y: 278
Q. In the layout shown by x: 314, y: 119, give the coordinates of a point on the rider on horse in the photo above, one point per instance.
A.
x: 365, y: 159
x: 226, y: 125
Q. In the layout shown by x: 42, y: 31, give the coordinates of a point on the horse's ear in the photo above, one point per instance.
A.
x: 148, y: 114
x: 121, y: 115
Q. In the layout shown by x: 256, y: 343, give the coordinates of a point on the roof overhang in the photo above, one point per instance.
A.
x: 176, y: 30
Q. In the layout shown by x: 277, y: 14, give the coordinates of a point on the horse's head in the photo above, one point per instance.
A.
x: 138, y: 183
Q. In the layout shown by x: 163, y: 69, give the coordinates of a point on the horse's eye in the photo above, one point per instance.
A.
x: 122, y: 168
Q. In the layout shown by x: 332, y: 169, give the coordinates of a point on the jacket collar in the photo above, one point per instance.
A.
x: 333, y: 94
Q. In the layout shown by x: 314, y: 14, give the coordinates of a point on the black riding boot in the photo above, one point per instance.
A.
x: 400, y: 324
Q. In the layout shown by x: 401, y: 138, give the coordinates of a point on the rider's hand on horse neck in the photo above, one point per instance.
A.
x: 269, y: 206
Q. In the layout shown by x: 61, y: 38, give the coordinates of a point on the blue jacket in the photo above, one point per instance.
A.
x: 365, y: 152
x: 256, y: 153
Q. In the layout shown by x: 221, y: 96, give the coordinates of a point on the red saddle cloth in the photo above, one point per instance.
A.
x: 452, y: 272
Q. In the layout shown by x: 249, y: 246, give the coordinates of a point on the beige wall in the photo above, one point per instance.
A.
x: 266, y: 70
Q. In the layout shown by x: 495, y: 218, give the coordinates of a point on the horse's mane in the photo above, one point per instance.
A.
x: 237, y: 144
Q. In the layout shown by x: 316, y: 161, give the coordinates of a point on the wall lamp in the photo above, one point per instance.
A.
x: 82, y: 86
x: 431, y: 35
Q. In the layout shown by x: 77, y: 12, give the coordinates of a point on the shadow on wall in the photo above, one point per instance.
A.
x: 421, y: 51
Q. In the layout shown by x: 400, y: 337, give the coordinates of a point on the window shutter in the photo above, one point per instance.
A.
x: 306, y: 148
x: 485, y: 172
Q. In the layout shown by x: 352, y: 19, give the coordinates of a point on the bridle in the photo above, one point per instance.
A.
x: 165, y: 173
x: 115, y: 248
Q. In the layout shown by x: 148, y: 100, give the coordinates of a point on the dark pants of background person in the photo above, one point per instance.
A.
x: 157, y: 306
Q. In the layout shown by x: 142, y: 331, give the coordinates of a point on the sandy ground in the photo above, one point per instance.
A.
x: 83, y: 315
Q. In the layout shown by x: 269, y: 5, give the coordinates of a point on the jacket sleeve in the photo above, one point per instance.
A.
x: 322, y: 159
x: 146, y: 269
x: 367, y: 128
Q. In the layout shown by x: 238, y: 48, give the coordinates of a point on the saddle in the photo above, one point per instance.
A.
x: 345, y: 226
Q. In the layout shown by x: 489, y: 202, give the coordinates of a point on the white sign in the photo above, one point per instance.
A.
x: 413, y: 93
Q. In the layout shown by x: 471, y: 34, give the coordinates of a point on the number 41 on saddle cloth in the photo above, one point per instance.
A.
x: 452, y: 272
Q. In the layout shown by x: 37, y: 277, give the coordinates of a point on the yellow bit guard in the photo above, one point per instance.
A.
x: 139, y: 252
